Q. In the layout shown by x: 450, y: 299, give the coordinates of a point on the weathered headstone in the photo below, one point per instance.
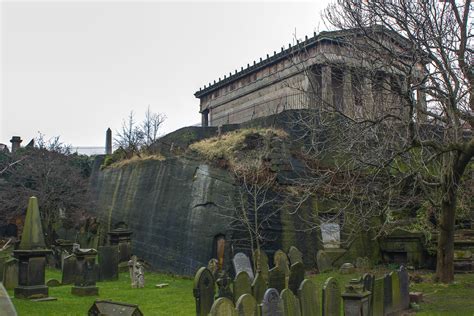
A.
x: 10, y: 274
x: 331, y: 298
x: 108, y: 258
x: 309, y: 300
x: 356, y: 299
x: 86, y: 273
x: 295, y: 255
x: 387, y: 294
x: 280, y: 259
x: 291, y: 305
x: 260, y: 259
x: 69, y: 270
x: 378, y: 297
x: 223, y: 287
x: 276, y: 279
x: 271, y: 304
x: 53, y: 283
x: 203, y: 291
x: 106, y: 307
x: 296, y: 276
x: 396, y: 297
x: 223, y: 307
x: 246, y: 306
x: 31, y: 255
x: 242, y: 285
x: 347, y: 268
x: 259, y: 286
x: 6, y: 306
x: 404, y: 288
x: 242, y: 263
x: 137, y: 273
x: 323, y: 261
x: 331, y: 235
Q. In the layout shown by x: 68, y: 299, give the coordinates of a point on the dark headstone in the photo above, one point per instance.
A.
x: 203, y: 291
x: 122, y: 237
x: 291, y: 305
x: 246, y: 306
x: 396, y: 297
x: 223, y: 306
x: 86, y: 273
x: 242, y: 263
x: 276, y: 279
x: 295, y: 255
x: 10, y: 274
x: 323, y: 261
x: 259, y: 286
x: 296, y: 277
x: 387, y: 294
x: 309, y: 300
x: 101, y: 307
x: 404, y: 288
x: 271, y: 304
x: 108, y: 258
x: 331, y: 298
x: 69, y: 270
x: 242, y: 285
x: 6, y: 306
x: 378, y: 297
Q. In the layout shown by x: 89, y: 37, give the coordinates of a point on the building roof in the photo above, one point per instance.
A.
x: 331, y: 36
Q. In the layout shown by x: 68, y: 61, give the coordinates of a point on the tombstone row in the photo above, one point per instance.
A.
x: 366, y: 296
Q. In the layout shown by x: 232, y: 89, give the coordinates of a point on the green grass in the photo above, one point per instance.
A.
x: 177, y: 299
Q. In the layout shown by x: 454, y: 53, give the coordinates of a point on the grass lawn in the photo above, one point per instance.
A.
x: 177, y: 299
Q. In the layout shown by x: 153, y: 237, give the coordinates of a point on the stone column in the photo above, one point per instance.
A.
x: 368, y: 110
x: 326, y: 86
x: 108, y: 142
x: 16, y: 141
x: 348, y: 97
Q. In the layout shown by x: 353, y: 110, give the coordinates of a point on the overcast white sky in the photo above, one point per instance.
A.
x: 75, y: 68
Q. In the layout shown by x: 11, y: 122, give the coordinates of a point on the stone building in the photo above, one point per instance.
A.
x: 319, y: 71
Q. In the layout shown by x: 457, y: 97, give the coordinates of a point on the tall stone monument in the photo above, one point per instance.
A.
x: 86, y: 273
x: 31, y: 255
x: 108, y: 142
x: 122, y: 238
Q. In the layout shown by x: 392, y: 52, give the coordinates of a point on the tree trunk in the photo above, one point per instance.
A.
x: 445, y: 251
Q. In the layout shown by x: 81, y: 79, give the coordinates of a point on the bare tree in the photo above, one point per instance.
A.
x: 408, y: 153
x: 151, y: 126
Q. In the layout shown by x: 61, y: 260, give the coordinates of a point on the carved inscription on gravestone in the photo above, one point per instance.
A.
x: 242, y: 263
x: 271, y: 305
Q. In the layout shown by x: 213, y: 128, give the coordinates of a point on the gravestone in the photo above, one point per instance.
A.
x: 223, y: 287
x: 271, y: 304
x: 331, y: 235
x: 86, y: 273
x: 108, y: 258
x: 387, y: 294
x: 347, y: 268
x: 31, y: 255
x: 137, y: 273
x: 404, y: 288
x: 203, y: 291
x: 259, y: 286
x: 6, y: 306
x: 261, y: 262
x: 396, y: 297
x: 242, y: 263
x: 323, y: 261
x: 378, y: 297
x: 10, y: 274
x: 276, y: 279
x: 53, y: 283
x: 291, y: 306
x: 246, y: 306
x: 331, y: 298
x: 295, y: 255
x: 308, y: 297
x: 69, y: 270
x: 368, y: 281
x: 296, y: 276
x: 223, y: 307
x: 106, y: 307
x: 122, y: 237
x: 280, y: 259
x: 242, y: 285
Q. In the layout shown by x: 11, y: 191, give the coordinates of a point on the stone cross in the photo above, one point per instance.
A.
x: 137, y: 275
